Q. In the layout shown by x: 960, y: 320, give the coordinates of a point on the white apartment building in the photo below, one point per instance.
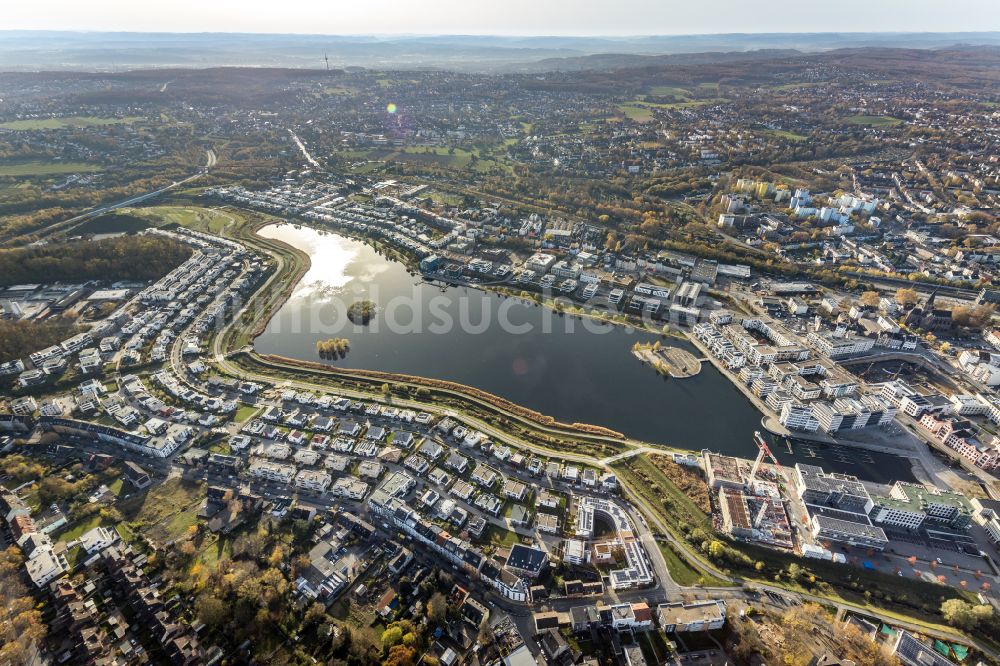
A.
x: 833, y: 347
x: 796, y: 416
x: 349, y: 487
x: 315, y: 480
x: 272, y: 471
x: 679, y: 617
x: 969, y: 405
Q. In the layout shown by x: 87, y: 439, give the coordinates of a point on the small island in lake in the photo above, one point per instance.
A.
x: 666, y: 360
x: 333, y: 347
x: 361, y: 312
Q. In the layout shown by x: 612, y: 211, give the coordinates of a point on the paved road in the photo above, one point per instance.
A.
x: 72, y: 223
x: 841, y: 606
x: 667, y: 588
x: 637, y: 500
x: 302, y: 147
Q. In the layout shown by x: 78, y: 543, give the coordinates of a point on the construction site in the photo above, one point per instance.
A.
x: 749, y: 500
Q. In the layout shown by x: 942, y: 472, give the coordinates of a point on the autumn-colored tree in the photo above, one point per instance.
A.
x: 907, y: 297
x: 870, y: 299
x: 392, y: 637
x: 964, y: 615
x: 22, y: 624
x: 401, y: 655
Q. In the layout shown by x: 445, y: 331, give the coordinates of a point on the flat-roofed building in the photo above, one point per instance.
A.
x: 736, y: 519
x: 842, y: 527
x: 911, y: 506
x: 546, y: 522
x: 722, y: 470
x: 680, y: 617
x: 839, y: 491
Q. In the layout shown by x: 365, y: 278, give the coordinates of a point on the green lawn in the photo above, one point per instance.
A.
x: 116, y: 486
x: 199, y: 219
x: 784, y: 134
x: 438, y: 196
x: 213, y: 551
x: 683, y: 573
x: 245, y: 412
x: 874, y: 121
x: 640, y: 114
x: 40, y: 168
x: 453, y: 157
x: 62, y: 123
x: 793, y: 86
x: 221, y: 446
x: 76, y: 530
x: 498, y: 536
x: 125, y: 532
x: 658, y: 91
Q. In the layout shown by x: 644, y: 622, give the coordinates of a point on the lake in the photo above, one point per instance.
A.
x: 572, y: 369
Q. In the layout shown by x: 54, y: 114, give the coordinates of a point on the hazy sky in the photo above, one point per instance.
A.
x: 518, y: 17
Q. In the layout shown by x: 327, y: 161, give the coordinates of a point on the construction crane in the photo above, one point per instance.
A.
x: 762, y: 450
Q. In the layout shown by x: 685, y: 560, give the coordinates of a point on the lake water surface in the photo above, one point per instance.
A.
x: 562, y: 366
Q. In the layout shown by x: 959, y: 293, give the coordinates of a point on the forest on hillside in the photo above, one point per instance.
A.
x: 20, y: 338
x: 139, y: 258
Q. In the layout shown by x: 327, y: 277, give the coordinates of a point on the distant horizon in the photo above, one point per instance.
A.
x: 581, y: 35
x: 565, y: 18
x: 100, y: 50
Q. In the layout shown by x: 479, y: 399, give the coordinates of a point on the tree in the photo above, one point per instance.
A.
x: 401, y: 655
x: 870, y: 299
x: 437, y: 609
x: 392, y: 636
x: 907, y: 297
x: 315, y: 614
x: 976, y: 318
x: 963, y: 615
x: 212, y: 611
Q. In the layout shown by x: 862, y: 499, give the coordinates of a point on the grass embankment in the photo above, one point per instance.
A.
x: 556, y: 439
x: 291, y: 264
x: 682, y: 572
